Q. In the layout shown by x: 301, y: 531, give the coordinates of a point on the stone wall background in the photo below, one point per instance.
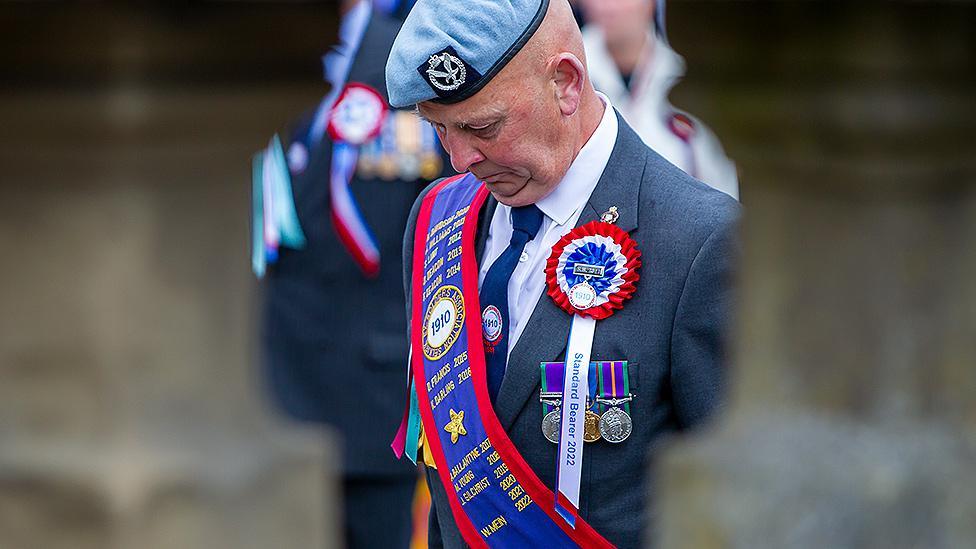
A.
x: 850, y: 420
x: 131, y: 411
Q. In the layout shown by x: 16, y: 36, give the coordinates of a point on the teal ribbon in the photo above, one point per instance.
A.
x: 413, y: 426
x: 258, y: 259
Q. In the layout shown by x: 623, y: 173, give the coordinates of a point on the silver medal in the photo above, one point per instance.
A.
x: 615, y: 425
x: 550, y: 426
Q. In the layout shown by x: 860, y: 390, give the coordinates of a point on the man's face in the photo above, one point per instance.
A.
x: 507, y: 135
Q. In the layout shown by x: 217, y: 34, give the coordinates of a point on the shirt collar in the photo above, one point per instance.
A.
x: 585, y: 171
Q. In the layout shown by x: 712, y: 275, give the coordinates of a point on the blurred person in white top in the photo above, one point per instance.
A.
x: 630, y: 60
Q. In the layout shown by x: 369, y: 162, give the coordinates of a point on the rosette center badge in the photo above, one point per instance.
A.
x: 592, y: 270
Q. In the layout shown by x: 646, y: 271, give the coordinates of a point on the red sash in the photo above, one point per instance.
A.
x: 531, y: 521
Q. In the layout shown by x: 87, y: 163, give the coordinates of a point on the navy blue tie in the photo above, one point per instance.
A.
x: 526, y: 221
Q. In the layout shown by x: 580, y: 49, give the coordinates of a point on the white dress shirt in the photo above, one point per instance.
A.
x: 561, y: 209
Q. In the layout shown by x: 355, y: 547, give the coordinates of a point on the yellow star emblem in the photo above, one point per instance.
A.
x: 456, y: 427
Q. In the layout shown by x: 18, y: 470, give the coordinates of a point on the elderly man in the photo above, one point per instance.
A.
x: 566, y: 293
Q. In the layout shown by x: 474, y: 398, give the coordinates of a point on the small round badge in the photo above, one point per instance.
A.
x: 491, y: 323
x: 582, y: 296
x: 357, y: 115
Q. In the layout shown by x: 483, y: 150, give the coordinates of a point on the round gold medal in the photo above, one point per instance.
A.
x: 591, y: 426
x: 387, y: 167
x: 430, y: 166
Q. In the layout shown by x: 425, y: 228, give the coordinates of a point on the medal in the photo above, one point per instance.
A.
x: 615, y: 425
x: 550, y: 426
x: 369, y: 152
x: 387, y: 167
x: 614, y: 398
x: 591, y: 427
x: 386, y: 163
x: 366, y: 166
x: 550, y: 409
x: 409, y: 166
x: 430, y: 166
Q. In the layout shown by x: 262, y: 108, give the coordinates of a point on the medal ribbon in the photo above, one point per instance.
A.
x: 275, y: 220
x: 552, y: 380
x: 553, y: 374
x: 495, y: 498
x: 346, y: 217
x: 613, y: 381
x: 407, y: 438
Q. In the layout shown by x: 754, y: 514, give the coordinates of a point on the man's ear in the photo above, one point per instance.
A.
x: 568, y: 76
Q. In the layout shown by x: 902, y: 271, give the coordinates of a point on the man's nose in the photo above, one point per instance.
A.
x: 463, y: 153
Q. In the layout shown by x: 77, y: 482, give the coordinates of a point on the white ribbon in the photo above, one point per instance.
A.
x: 575, y: 390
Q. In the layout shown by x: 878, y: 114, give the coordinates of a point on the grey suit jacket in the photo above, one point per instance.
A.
x: 671, y: 333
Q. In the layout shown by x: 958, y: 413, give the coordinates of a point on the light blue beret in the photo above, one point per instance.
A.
x: 447, y: 50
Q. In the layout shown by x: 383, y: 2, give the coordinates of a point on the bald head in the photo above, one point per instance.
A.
x: 558, y: 33
x: 521, y: 132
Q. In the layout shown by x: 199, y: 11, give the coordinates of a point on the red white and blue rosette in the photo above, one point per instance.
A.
x: 357, y: 115
x: 593, y: 269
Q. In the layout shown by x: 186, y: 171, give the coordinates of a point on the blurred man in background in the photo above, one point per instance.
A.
x: 334, y: 338
x: 630, y: 60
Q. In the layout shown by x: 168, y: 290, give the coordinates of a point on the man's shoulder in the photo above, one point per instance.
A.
x: 685, y: 206
x: 667, y: 193
x: 666, y: 183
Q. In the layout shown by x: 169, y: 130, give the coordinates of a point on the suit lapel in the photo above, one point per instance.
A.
x: 545, y: 336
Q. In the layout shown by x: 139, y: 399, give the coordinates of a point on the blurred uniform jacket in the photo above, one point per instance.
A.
x: 676, y: 135
x: 334, y: 341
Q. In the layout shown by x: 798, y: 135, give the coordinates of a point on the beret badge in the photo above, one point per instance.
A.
x: 445, y: 71
x: 448, y: 74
